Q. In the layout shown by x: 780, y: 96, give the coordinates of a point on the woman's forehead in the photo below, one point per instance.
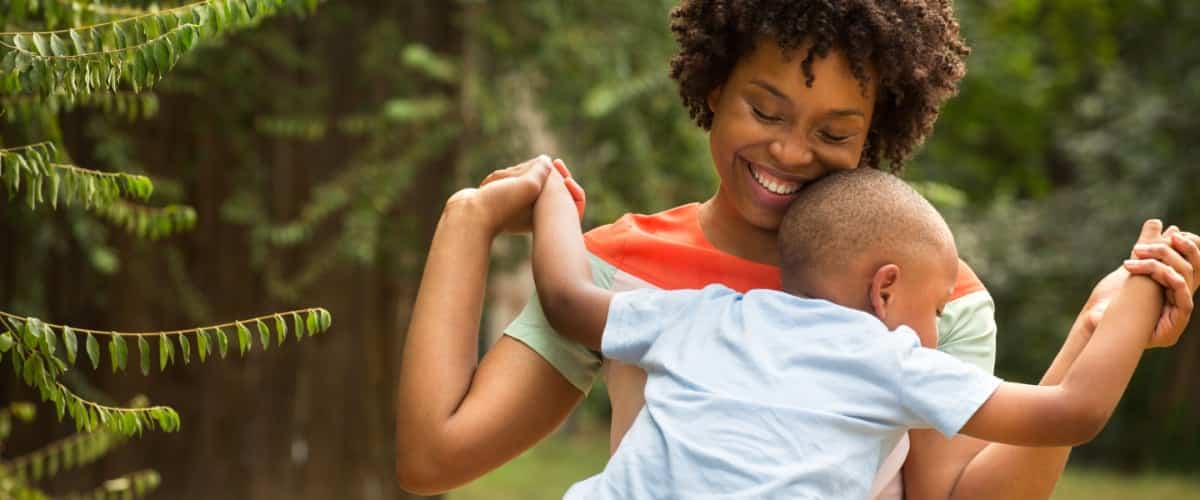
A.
x: 832, y: 75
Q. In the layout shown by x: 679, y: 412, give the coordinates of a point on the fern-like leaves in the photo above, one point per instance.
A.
x: 137, y: 50
x: 130, y: 486
x: 149, y: 222
x: 41, y: 352
x: 22, y: 108
x: 47, y: 181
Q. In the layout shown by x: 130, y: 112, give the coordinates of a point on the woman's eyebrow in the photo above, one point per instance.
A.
x: 838, y: 113
x: 846, y: 112
x: 771, y: 88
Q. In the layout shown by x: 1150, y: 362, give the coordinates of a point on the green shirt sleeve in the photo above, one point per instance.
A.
x: 573, y: 360
x: 967, y: 330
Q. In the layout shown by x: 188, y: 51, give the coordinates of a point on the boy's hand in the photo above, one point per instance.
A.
x: 522, y: 221
x: 504, y: 201
x: 1170, y: 258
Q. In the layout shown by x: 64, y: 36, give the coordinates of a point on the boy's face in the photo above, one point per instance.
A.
x: 923, y: 288
x: 772, y: 133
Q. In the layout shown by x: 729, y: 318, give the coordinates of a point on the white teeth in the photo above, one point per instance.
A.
x: 777, y: 187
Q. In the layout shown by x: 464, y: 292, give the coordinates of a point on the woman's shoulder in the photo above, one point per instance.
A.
x: 680, y: 224
x: 668, y: 250
x: 968, y: 282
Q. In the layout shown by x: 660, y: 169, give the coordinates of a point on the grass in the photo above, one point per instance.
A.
x: 546, y: 471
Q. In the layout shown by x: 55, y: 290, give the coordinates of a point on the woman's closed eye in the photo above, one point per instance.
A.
x: 834, y: 138
x: 764, y: 117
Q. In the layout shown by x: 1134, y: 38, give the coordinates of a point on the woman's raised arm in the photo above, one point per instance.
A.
x: 456, y: 419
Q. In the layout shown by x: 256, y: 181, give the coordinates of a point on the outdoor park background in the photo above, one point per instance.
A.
x: 317, y: 152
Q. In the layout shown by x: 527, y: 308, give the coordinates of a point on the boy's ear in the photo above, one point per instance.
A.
x: 883, y: 289
x: 713, y: 98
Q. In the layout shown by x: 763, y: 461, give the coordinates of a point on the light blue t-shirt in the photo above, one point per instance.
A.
x: 768, y: 395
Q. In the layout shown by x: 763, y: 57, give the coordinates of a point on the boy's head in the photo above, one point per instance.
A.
x: 865, y: 239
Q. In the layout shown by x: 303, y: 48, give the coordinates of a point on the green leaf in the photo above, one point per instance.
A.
x: 326, y: 320
x: 186, y: 348
x: 298, y: 325
x: 311, y: 323
x: 280, y: 328
x: 57, y: 46
x: 70, y: 343
x: 6, y: 342
x: 78, y: 41
x: 48, y: 342
x: 264, y: 335
x: 166, y: 352
x: 43, y: 47
x: 24, y: 44
x: 54, y: 184
x: 144, y: 352
x: 222, y: 342
x: 31, y: 332
x: 117, y: 352
x: 202, y: 345
x: 119, y: 36
x: 162, y: 55
x: 93, y: 351
x: 243, y: 338
x: 138, y: 62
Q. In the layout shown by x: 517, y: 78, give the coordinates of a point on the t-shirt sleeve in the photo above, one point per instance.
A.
x: 578, y: 364
x: 967, y: 330
x: 637, y: 318
x: 939, y: 390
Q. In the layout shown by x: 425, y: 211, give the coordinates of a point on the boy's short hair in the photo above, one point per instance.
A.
x: 855, y: 214
x: 914, y: 46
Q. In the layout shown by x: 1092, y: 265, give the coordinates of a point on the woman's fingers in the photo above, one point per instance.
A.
x: 1178, y: 304
x: 1188, y: 246
x: 1166, y: 254
x: 1159, y: 272
x: 516, y: 170
x: 1178, y: 292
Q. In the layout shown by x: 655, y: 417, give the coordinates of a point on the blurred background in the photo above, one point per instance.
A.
x: 317, y: 152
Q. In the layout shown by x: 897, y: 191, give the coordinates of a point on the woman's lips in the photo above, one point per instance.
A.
x: 771, y: 183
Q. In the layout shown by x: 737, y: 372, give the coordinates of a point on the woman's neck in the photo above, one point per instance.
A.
x: 730, y: 233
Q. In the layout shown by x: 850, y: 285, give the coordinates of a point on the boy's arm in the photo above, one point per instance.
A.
x: 1075, y: 411
x: 572, y: 303
x: 966, y: 468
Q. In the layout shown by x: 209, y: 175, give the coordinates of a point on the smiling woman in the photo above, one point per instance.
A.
x: 773, y: 130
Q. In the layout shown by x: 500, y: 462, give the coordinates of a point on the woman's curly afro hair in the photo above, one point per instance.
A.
x: 913, y: 45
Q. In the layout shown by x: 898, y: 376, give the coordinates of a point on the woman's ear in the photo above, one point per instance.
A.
x: 713, y: 98
x: 883, y: 289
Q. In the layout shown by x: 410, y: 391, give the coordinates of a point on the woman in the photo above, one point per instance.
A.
x: 789, y: 91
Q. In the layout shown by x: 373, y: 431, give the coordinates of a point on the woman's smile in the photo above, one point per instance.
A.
x: 766, y: 187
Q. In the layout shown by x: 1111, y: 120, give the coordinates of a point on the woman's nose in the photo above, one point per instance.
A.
x: 791, y: 153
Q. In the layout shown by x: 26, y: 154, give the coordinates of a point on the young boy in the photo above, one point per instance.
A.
x: 802, y: 393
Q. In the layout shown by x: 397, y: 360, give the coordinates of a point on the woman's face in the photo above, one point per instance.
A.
x: 771, y: 133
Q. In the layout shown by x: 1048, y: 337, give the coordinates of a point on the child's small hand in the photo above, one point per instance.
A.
x: 504, y: 201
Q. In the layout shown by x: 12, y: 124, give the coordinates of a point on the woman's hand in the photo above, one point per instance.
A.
x: 1173, y: 261
x: 503, y: 203
x: 521, y: 221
